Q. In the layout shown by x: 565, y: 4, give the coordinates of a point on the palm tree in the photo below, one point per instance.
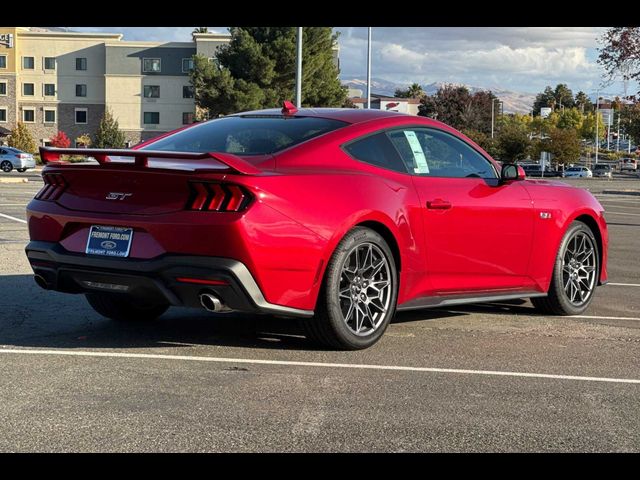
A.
x: 415, y: 91
x: 201, y: 30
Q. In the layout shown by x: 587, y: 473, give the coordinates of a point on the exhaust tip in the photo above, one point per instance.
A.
x: 210, y: 302
x: 42, y: 282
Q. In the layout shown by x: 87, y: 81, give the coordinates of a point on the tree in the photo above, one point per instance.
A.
x: 563, y: 96
x: 563, y: 144
x: 414, y: 91
x: 588, y: 128
x: 21, y: 139
x: 200, y: 30
x: 84, y: 140
x: 570, y: 118
x: 620, y: 52
x: 108, y: 134
x: 60, y: 140
x: 490, y: 145
x: 630, y: 121
x: 543, y: 100
x: 257, y: 70
x: 456, y: 106
x: 583, y: 102
x: 513, y: 143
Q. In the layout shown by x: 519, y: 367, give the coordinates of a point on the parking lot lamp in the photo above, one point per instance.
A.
x: 369, y: 68
x: 299, y: 70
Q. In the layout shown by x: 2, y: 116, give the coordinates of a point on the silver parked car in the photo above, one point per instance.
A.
x: 602, y: 170
x: 578, y: 172
x: 11, y: 158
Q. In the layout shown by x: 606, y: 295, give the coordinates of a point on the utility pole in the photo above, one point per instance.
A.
x: 609, y: 128
x: 299, y: 70
x: 369, y: 68
x: 597, y: 107
x: 493, y: 103
x: 618, y: 142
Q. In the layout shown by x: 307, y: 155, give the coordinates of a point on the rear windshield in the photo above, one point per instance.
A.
x: 246, y: 135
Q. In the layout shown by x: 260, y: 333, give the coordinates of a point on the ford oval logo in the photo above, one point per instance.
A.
x: 108, y: 245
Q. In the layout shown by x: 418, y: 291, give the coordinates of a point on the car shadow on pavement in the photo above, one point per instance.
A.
x: 31, y: 317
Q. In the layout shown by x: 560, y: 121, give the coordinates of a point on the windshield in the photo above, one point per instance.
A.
x: 246, y: 135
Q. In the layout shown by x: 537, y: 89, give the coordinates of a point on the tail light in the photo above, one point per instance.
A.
x: 218, y: 197
x: 54, y: 185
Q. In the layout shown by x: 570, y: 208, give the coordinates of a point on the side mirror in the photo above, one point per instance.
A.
x: 511, y: 171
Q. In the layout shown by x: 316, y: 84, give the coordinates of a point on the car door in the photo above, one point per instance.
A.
x: 478, y: 230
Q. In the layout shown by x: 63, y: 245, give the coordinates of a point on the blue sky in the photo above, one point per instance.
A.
x: 523, y: 59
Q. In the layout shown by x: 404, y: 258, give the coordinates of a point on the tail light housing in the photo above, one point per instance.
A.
x: 54, y: 185
x: 218, y: 197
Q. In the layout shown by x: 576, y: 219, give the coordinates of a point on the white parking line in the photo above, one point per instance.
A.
x: 599, y: 317
x: 13, y: 218
x: 357, y: 366
x: 624, y: 284
x: 609, y: 212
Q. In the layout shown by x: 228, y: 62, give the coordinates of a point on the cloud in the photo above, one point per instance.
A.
x: 517, y: 58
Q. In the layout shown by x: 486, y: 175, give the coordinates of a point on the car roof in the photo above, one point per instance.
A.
x: 348, y: 115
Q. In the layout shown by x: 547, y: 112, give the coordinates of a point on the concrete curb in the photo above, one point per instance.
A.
x: 622, y: 192
x: 13, y: 180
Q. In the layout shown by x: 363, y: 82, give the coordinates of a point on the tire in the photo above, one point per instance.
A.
x: 21, y: 170
x: 563, y: 298
x: 340, y: 321
x: 6, y: 166
x: 123, y: 308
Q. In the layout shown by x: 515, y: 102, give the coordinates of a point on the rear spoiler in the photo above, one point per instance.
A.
x: 50, y: 155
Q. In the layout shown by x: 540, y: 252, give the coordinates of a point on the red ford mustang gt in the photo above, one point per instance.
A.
x: 337, y: 216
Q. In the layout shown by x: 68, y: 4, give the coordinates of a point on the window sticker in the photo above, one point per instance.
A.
x: 418, y: 153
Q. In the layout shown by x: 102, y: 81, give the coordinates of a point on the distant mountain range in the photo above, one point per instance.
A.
x: 514, y: 102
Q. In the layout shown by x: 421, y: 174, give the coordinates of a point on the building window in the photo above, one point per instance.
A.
x: 49, y: 89
x: 151, y: 91
x: 3, y: 61
x: 49, y: 63
x: 3, y: 88
x: 3, y: 115
x: 49, y: 116
x: 81, y: 90
x: 187, y: 65
x: 187, y: 118
x: 187, y: 91
x: 152, y: 118
x: 46, y: 142
x: 81, y: 115
x: 29, y: 115
x: 28, y: 89
x: 28, y: 63
x: 151, y: 65
x: 81, y: 63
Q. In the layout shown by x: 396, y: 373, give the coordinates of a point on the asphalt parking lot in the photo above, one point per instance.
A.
x: 490, y: 377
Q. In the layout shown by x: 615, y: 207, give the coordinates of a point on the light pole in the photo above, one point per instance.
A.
x: 493, y: 103
x: 369, y: 68
x: 618, y: 139
x: 299, y: 70
x: 597, y: 108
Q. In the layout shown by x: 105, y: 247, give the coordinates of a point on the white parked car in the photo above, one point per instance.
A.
x: 578, y: 172
x: 11, y: 158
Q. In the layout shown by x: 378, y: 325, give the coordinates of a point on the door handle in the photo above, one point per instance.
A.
x: 438, y: 204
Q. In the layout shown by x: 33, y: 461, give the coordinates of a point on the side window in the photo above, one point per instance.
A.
x: 377, y: 150
x: 430, y: 152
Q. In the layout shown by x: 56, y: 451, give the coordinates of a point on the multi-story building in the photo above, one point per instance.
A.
x: 63, y: 81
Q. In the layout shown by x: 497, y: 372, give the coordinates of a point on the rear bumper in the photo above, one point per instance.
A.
x: 156, y: 278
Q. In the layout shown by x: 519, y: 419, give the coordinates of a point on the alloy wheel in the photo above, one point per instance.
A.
x: 365, y: 289
x: 579, y: 268
x: 6, y: 166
